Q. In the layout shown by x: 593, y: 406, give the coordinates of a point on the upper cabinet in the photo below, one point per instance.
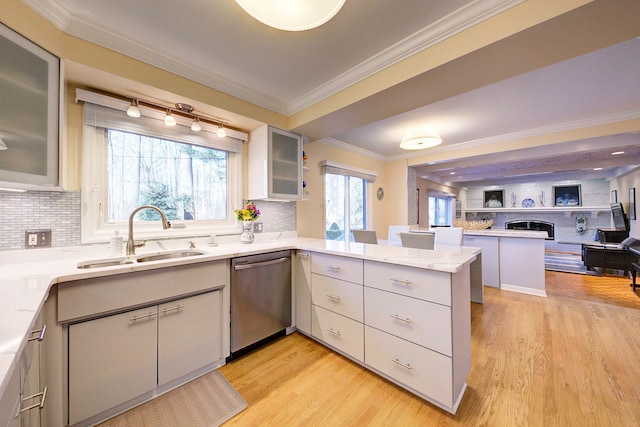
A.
x: 29, y: 113
x: 275, y: 164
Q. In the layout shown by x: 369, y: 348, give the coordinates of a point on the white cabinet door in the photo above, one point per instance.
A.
x: 275, y: 162
x: 189, y: 335
x: 338, y: 296
x: 339, y: 267
x: 302, y: 289
x: 10, y: 399
x: 33, y: 393
x: 111, y: 360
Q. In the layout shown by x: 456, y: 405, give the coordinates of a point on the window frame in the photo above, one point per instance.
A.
x: 94, y: 198
x: 368, y: 197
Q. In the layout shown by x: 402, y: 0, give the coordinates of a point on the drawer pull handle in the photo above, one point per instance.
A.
x: 395, y: 280
x: 333, y: 297
x: 40, y: 333
x: 404, y: 365
x: 177, y: 307
x: 402, y: 319
x: 333, y: 267
x: 333, y: 331
x: 40, y: 405
x: 142, y: 316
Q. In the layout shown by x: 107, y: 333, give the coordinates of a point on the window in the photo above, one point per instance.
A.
x: 193, y: 178
x: 439, y: 210
x: 346, y: 200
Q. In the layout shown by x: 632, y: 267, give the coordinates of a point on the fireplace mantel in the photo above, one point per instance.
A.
x: 567, y: 211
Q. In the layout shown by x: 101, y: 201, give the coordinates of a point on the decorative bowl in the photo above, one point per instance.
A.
x: 473, y: 225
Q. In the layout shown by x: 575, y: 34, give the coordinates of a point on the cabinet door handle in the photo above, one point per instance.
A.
x: 40, y: 333
x: 333, y: 331
x: 168, y: 309
x: 395, y: 280
x: 402, y: 319
x: 333, y: 297
x: 333, y: 267
x: 40, y: 405
x: 404, y: 365
x: 142, y: 316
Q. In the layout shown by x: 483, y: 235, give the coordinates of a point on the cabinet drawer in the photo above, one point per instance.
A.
x: 429, y: 285
x: 337, y: 295
x: 425, y: 371
x: 420, y: 322
x: 349, y: 269
x: 342, y: 333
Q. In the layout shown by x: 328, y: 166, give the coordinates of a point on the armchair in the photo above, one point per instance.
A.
x: 611, y: 255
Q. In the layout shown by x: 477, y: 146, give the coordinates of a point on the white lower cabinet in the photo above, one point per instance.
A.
x: 117, y: 358
x: 301, y: 266
x: 10, y: 400
x: 340, y: 332
x: 425, y: 371
x: 111, y: 360
x: 189, y: 332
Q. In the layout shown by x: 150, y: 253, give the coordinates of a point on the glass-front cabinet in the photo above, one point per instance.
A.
x: 275, y: 164
x: 29, y: 112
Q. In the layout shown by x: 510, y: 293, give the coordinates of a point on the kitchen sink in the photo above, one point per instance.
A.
x: 159, y: 256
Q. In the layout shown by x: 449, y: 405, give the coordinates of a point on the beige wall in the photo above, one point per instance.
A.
x: 310, y: 213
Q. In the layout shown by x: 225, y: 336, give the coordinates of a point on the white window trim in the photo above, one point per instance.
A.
x: 95, y: 228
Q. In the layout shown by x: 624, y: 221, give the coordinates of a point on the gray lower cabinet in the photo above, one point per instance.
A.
x: 120, y: 357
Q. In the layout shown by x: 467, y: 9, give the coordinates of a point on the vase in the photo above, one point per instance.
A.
x: 247, y: 232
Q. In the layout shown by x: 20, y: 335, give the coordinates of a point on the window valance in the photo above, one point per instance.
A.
x: 340, y: 169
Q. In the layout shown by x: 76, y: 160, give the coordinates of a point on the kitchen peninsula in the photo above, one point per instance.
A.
x: 436, y: 282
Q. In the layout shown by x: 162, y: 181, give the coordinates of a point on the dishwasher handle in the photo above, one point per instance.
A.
x: 260, y: 264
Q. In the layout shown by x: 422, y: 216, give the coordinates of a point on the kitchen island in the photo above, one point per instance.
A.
x: 30, y: 277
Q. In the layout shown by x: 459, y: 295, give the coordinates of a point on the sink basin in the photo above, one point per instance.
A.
x: 169, y: 255
x: 159, y: 256
x: 97, y: 263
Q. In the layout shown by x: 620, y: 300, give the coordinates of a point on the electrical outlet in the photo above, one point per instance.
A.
x: 257, y: 227
x: 37, y: 239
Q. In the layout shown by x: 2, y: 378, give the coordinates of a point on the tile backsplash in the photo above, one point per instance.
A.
x: 35, y: 210
x: 60, y: 212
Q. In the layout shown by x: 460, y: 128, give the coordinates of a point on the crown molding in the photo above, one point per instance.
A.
x: 440, y: 30
x: 352, y: 148
x: 51, y: 11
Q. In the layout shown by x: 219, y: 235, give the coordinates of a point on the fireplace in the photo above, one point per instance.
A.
x: 531, y: 225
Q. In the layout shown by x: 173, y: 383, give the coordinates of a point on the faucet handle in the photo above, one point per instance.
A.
x: 192, y: 244
x: 139, y: 244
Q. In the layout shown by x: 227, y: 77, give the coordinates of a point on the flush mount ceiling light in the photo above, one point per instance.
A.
x: 133, y: 110
x: 292, y: 15
x: 420, y: 137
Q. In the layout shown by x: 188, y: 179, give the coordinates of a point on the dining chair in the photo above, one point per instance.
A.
x: 393, y: 238
x: 417, y: 240
x: 451, y: 236
x: 365, y: 236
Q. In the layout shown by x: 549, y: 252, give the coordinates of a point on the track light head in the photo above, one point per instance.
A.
x: 133, y: 110
x: 195, y: 125
x: 221, y: 132
x: 169, y: 120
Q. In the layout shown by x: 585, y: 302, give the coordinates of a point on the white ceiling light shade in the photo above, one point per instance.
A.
x: 195, y: 125
x: 420, y: 138
x: 292, y: 15
x: 133, y: 110
x: 169, y: 120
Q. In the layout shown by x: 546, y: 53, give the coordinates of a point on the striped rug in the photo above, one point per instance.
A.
x: 207, y: 401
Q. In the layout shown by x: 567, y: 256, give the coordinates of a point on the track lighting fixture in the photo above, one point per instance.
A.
x: 221, y: 132
x: 133, y: 110
x: 195, y: 125
x: 169, y: 120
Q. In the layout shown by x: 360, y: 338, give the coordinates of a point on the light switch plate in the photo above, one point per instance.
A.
x: 37, y: 239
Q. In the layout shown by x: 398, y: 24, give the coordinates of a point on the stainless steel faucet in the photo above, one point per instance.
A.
x: 131, y: 244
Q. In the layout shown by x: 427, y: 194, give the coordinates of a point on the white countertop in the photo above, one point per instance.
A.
x: 27, y: 275
x: 522, y: 234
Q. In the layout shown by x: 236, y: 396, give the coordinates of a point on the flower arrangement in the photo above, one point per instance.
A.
x: 249, y: 212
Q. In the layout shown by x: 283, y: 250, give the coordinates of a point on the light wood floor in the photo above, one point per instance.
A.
x: 571, y: 359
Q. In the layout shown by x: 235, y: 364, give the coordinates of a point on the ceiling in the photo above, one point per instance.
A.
x: 217, y: 44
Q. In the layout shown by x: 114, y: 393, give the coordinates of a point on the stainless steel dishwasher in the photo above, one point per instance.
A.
x: 260, y: 299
